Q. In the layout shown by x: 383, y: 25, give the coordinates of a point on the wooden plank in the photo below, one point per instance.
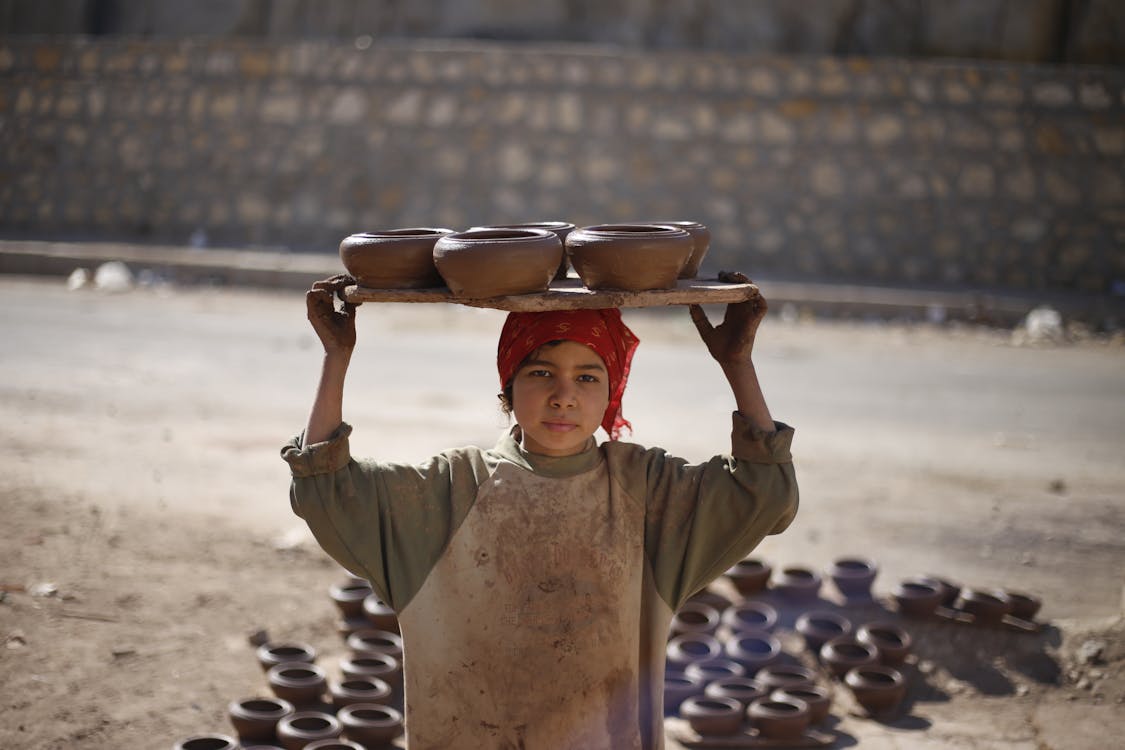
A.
x: 570, y: 294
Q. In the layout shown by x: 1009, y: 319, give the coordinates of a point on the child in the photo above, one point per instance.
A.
x: 535, y: 582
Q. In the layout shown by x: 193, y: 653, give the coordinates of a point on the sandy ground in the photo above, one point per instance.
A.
x: 146, y: 529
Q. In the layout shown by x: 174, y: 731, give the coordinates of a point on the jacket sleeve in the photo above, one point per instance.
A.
x: 701, y: 519
x: 388, y: 523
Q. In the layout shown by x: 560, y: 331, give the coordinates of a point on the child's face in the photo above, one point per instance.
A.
x: 559, y: 396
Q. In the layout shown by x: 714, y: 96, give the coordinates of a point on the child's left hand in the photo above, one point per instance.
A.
x: 732, y: 341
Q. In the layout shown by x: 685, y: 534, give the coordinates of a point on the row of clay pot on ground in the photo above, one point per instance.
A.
x: 917, y: 596
x: 509, y: 259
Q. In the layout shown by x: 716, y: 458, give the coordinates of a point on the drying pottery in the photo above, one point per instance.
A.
x: 483, y: 263
x: 949, y: 590
x: 380, y: 614
x: 299, y: 683
x: 745, y: 690
x: 677, y: 687
x: 359, y: 690
x: 298, y: 730
x: 878, y: 688
x: 376, y: 641
x: 695, y: 617
x: 796, y: 582
x: 892, y: 642
x: 381, y: 666
x: 272, y: 654
x: 750, y: 616
x: 207, y: 742
x: 749, y: 576
x: 710, y: 670
x: 348, y: 597
x: 780, y: 719
x: 632, y: 257
x: 845, y: 653
x: 918, y: 597
x: 700, y: 244
x: 560, y: 228
x: 334, y: 744
x: 817, y: 697
x: 779, y: 676
x: 263, y: 747
x: 370, y: 724
x: 345, y: 626
x: 853, y: 576
x: 818, y: 627
x: 987, y: 607
x: 753, y: 650
x: 393, y: 259
x: 712, y: 598
x: 256, y: 718
x: 712, y: 716
x: 1023, y: 605
x: 688, y: 647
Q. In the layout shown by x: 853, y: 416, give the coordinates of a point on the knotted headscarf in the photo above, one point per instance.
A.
x: 601, y: 330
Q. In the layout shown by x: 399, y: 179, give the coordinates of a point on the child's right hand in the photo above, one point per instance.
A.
x: 335, y: 328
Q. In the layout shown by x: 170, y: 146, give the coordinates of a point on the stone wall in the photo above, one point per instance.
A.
x: 880, y: 171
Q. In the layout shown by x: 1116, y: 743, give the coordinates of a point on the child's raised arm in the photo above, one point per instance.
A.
x: 731, y: 343
x: 336, y: 330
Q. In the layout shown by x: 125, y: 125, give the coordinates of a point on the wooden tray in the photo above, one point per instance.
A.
x: 570, y: 294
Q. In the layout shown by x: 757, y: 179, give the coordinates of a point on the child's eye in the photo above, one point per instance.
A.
x: 588, y: 378
x: 538, y: 373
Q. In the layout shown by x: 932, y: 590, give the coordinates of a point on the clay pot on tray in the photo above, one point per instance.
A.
x: 987, y: 607
x: 257, y: 718
x: 207, y: 742
x: 750, y: 616
x: 298, y: 730
x: 853, y: 576
x: 393, y: 258
x: 712, y: 716
x: 349, y: 596
x: 918, y: 596
x: 745, y: 690
x: 1024, y: 606
x: 359, y: 690
x: 749, y: 576
x: 876, y: 687
x: 701, y: 243
x: 376, y: 641
x: 695, y: 617
x: 845, y: 653
x: 689, y: 647
x: 560, y: 228
x: 272, y: 654
x: 372, y: 664
x: 710, y: 670
x: 818, y: 627
x: 370, y: 724
x: 380, y: 614
x: 484, y: 263
x: 780, y: 676
x: 892, y: 642
x: 335, y: 744
x: 298, y: 683
x: 949, y: 590
x: 630, y: 257
x: 678, y: 687
x: 797, y: 583
x: 753, y: 650
x: 780, y: 719
x: 817, y: 697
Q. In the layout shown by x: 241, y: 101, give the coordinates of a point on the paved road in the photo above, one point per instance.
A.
x: 929, y: 450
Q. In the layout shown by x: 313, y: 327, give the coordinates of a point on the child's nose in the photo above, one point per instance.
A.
x: 564, y: 394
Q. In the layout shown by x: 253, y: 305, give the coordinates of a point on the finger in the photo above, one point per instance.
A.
x: 699, y: 317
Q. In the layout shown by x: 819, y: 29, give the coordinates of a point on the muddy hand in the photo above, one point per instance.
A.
x: 732, y: 341
x: 334, y: 326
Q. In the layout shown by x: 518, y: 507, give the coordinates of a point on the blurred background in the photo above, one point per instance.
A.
x: 970, y: 145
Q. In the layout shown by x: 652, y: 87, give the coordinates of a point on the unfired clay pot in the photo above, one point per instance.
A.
x: 370, y: 724
x: 818, y: 698
x: 711, y: 598
x: 381, y: 666
x: 345, y: 626
x: 918, y: 596
x: 749, y: 576
x: 750, y: 615
x: 677, y: 687
x: 891, y: 641
x: 710, y: 670
x: 272, y: 654
x: 818, y: 627
x: 778, y: 676
x: 560, y: 228
x: 780, y: 719
x: 845, y: 653
x: 484, y: 263
x: 207, y: 742
x: 382, y: 617
x: 988, y: 607
x: 633, y: 257
x: 348, y: 596
x: 299, y: 683
x: 745, y: 690
x: 298, y: 730
x: 1024, y: 606
x: 949, y: 589
x: 359, y: 690
x: 394, y: 258
x: 797, y: 583
x: 753, y: 650
x: 695, y: 617
x: 257, y: 718
x: 853, y: 576
x: 335, y: 744
x: 685, y: 648
x: 878, y: 688
x: 711, y: 716
x: 701, y: 243
x: 376, y: 641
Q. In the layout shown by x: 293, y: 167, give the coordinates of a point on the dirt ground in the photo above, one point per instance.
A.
x: 146, y: 530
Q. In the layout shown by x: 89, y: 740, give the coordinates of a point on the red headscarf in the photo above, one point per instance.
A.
x: 601, y: 330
